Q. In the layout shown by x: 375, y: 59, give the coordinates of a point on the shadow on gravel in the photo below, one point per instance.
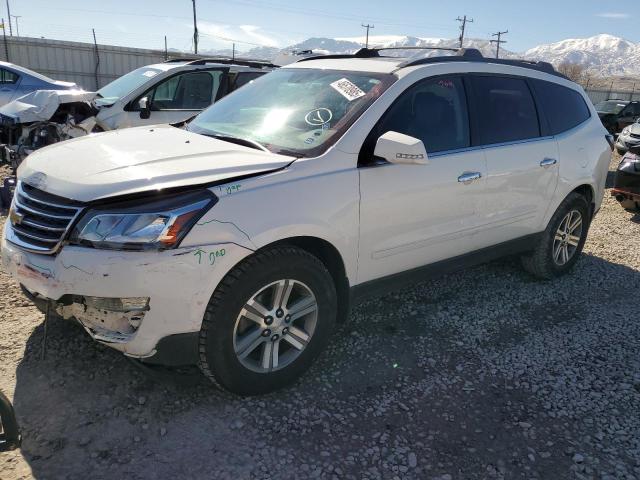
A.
x: 404, y: 389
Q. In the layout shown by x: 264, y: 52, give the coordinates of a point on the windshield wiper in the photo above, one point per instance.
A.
x: 237, y: 140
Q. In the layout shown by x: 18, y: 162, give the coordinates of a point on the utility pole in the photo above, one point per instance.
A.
x: 9, y: 17
x: 97, y: 58
x: 367, y: 26
x: 195, y: 29
x: 17, y: 28
x: 166, y: 53
x: 4, y: 37
x: 464, y: 20
x: 233, y: 51
x: 499, y: 41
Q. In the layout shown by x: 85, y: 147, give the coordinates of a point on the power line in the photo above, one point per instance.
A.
x: 464, y: 20
x: 499, y: 41
x: 367, y: 26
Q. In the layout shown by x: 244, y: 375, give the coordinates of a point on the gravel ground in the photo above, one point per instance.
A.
x: 481, y: 374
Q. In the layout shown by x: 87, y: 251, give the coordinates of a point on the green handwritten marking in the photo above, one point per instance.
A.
x: 199, y: 253
x: 233, y: 188
x: 217, y: 253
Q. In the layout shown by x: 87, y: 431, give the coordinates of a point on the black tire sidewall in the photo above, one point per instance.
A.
x: 219, y: 351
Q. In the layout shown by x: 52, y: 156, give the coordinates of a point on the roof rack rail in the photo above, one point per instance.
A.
x: 224, y: 60
x: 462, y: 54
x: 474, y: 55
x: 372, y: 52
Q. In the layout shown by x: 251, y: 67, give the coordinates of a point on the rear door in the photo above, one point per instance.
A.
x: 522, y: 158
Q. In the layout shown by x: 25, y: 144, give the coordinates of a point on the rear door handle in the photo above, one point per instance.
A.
x: 547, y: 162
x: 469, y: 177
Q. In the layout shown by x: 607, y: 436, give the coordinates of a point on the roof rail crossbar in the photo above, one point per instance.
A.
x: 224, y: 60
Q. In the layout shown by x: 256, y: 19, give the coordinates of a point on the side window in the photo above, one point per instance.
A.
x: 564, y: 108
x: 636, y: 109
x: 7, y: 77
x: 433, y: 110
x: 505, y: 110
x: 187, y: 91
x: 243, y: 78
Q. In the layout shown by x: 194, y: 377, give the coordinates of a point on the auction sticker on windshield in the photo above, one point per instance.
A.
x: 347, y: 89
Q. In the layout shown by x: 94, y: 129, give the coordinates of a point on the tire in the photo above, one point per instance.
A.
x: 620, y: 151
x: 541, y: 262
x: 230, y: 323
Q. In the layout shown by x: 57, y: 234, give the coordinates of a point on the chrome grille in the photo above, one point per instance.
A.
x: 635, y: 135
x: 39, y: 220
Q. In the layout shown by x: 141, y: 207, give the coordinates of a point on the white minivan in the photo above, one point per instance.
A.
x: 239, y: 241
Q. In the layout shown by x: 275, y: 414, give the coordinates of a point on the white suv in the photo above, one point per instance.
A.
x: 239, y: 241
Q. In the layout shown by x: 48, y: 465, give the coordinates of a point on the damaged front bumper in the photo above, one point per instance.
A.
x: 148, y: 305
x: 626, y: 186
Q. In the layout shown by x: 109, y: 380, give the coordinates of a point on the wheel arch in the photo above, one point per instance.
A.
x: 329, y: 255
x: 588, y: 192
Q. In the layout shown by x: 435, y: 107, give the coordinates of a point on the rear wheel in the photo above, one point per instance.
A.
x: 561, y: 243
x: 268, y: 320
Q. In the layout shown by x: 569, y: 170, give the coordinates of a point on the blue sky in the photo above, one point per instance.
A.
x: 143, y: 23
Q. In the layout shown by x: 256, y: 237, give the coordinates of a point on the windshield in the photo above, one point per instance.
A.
x: 610, y: 107
x: 294, y: 111
x: 126, y: 84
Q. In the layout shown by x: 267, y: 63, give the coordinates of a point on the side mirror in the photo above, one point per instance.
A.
x: 9, y: 431
x: 396, y: 147
x: 145, y: 107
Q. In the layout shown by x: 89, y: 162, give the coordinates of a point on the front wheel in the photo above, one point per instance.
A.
x: 267, y: 321
x: 561, y: 243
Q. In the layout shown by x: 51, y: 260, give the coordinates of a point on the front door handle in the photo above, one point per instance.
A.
x: 547, y: 162
x: 469, y: 177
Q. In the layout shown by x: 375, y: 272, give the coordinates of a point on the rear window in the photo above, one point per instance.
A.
x: 564, y: 108
x: 505, y: 110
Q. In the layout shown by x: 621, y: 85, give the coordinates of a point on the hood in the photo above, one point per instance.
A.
x: 40, y: 105
x: 140, y: 159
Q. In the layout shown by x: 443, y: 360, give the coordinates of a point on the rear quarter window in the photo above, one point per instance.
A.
x: 564, y: 108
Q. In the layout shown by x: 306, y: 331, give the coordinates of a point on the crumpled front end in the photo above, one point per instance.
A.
x: 42, y: 118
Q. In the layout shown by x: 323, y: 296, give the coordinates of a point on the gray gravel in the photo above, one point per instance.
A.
x: 481, y: 374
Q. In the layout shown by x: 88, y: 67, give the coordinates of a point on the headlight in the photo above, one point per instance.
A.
x: 625, y: 130
x: 140, y: 225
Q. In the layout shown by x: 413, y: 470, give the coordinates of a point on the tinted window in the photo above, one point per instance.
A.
x: 7, y: 77
x: 187, y: 91
x: 244, y: 78
x: 435, y: 111
x: 564, y: 108
x: 505, y: 110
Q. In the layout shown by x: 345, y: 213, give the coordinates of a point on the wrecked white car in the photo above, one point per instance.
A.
x: 169, y: 92
x: 44, y: 117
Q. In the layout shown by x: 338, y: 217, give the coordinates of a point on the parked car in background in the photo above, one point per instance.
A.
x: 618, y: 114
x: 239, y: 240
x: 626, y: 186
x: 168, y: 92
x: 16, y: 81
x: 628, y: 138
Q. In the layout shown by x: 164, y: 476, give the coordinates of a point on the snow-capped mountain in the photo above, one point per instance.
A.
x: 603, y: 55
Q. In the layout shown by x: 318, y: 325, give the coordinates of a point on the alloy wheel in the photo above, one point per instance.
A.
x: 275, y: 326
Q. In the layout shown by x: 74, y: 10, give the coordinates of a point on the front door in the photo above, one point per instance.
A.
x: 176, y: 98
x: 414, y: 215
